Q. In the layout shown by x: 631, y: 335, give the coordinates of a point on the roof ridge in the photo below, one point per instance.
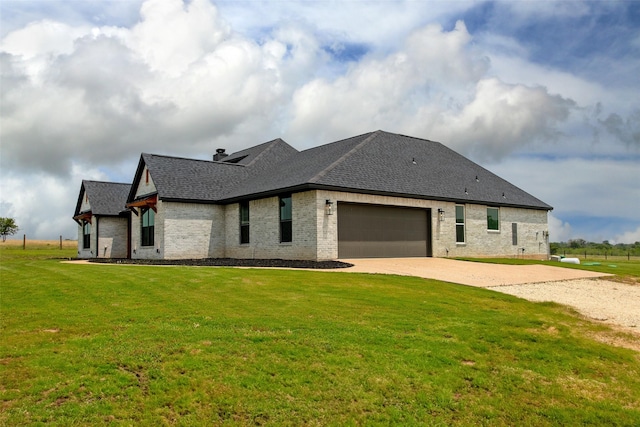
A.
x: 213, y: 162
x: 106, y: 182
x: 344, y: 157
x: 270, y: 145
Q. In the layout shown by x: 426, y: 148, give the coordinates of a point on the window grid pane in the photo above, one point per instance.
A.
x: 244, y: 222
x: 148, y: 229
x: 459, y: 214
x: 286, y: 227
x: 493, y: 222
x: 86, y: 235
x: 460, y: 232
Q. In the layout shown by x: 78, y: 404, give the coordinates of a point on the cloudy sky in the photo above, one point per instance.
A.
x: 544, y: 93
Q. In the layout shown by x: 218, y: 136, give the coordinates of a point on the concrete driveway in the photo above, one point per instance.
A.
x: 467, y: 273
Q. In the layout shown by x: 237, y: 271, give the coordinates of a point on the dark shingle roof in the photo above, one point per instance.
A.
x: 177, y: 178
x: 374, y: 163
x: 271, y: 151
x: 105, y: 198
x: 390, y: 164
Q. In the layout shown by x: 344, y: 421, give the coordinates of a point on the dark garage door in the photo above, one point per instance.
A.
x: 373, y: 231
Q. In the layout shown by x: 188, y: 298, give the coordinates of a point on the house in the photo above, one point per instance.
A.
x: 374, y: 195
x: 103, y: 223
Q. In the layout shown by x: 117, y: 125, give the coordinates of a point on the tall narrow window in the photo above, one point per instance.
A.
x: 244, y: 222
x: 493, y: 219
x: 86, y: 235
x: 148, y: 227
x: 286, y: 230
x: 460, y: 224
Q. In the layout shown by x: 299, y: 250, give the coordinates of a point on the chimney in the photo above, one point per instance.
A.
x: 220, y: 154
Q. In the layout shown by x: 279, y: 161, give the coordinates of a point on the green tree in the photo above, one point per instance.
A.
x: 577, y: 243
x: 8, y: 227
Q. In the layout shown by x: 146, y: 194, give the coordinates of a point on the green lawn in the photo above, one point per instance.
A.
x: 625, y: 270
x: 138, y: 345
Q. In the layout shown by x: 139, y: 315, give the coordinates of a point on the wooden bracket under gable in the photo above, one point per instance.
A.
x: 148, y: 202
x: 83, y: 217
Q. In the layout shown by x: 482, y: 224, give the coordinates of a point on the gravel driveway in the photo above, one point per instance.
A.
x: 588, y: 292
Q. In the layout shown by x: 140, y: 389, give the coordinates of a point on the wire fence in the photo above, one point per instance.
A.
x: 591, y: 254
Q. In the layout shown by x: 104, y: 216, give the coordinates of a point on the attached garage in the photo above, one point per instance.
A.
x: 375, y: 231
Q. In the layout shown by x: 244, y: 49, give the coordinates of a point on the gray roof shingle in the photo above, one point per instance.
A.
x: 105, y: 198
x: 178, y: 179
x: 391, y: 164
x: 375, y: 163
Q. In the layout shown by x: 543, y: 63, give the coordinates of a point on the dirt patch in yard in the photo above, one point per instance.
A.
x: 600, y: 300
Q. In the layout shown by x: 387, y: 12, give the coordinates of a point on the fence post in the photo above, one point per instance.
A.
x: 60, y: 242
x: 24, y: 242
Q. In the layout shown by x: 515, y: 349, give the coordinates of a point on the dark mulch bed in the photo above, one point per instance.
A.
x: 229, y: 262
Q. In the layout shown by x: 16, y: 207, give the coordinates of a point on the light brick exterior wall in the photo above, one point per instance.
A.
x: 148, y: 252
x: 111, y: 233
x: 193, y: 230
x: 85, y: 206
x: 264, y: 229
x: 145, y: 187
x: 532, y: 229
x: 480, y: 242
x: 112, y: 237
x: 188, y: 230
x: 90, y: 252
x: 182, y: 231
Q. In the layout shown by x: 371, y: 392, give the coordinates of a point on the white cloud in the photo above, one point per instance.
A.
x: 586, y: 187
x: 628, y: 237
x: 559, y: 231
x: 173, y: 35
x: 42, y: 205
x: 42, y: 38
x: 388, y: 91
x: 186, y: 77
x: 502, y: 118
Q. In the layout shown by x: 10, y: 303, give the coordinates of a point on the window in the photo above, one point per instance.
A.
x: 244, y: 222
x: 493, y: 221
x: 286, y: 232
x: 86, y: 235
x: 460, y: 224
x: 148, y: 226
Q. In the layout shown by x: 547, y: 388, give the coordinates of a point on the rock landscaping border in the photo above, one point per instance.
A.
x: 229, y: 262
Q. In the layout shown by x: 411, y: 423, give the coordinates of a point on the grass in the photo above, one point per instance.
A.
x: 625, y: 271
x: 138, y: 345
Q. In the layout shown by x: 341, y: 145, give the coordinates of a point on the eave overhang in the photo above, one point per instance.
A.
x: 146, y: 202
x: 83, y: 217
x: 306, y: 187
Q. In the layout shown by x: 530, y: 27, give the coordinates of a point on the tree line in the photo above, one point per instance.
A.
x: 581, y: 246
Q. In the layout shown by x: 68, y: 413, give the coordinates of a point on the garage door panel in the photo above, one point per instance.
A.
x: 386, y: 249
x: 368, y: 231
